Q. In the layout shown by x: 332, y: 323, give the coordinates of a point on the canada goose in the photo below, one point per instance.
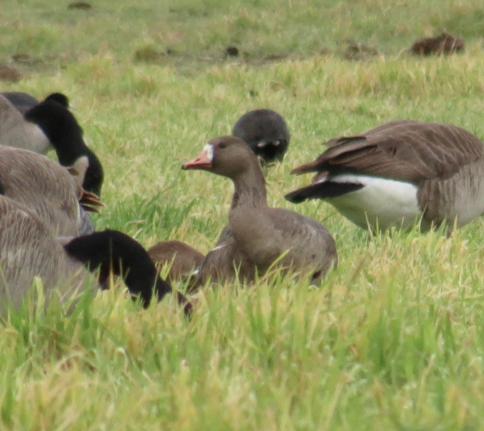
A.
x: 400, y: 173
x: 114, y: 252
x: 28, y: 250
x: 183, y: 258
x: 46, y: 188
x: 49, y: 124
x: 65, y: 134
x: 259, y: 235
x: 266, y: 133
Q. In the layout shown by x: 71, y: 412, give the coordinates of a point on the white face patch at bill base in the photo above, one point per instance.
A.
x: 381, y: 202
x: 209, y: 150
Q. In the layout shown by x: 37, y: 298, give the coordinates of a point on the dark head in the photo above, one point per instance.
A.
x: 65, y: 134
x: 266, y: 133
x: 227, y: 156
x: 60, y: 98
x: 114, y: 252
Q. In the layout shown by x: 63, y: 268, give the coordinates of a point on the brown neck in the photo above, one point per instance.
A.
x: 250, y: 188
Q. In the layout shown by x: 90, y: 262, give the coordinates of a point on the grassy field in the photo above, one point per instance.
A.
x: 398, y: 345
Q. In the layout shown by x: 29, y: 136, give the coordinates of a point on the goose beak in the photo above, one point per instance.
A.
x: 203, y: 161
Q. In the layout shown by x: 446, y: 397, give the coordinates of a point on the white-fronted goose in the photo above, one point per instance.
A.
x: 261, y: 234
x: 28, y: 250
x: 183, y: 258
x: 266, y: 133
x: 399, y: 174
x: 46, y: 188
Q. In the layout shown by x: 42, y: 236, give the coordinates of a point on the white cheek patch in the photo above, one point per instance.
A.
x: 209, y: 150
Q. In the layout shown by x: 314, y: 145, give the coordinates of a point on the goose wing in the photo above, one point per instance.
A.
x: 408, y: 151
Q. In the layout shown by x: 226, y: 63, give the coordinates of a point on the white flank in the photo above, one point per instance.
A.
x: 380, y: 203
x: 209, y: 150
x: 219, y: 247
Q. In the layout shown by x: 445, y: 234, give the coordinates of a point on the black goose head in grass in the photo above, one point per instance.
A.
x: 266, y: 133
x: 114, y: 252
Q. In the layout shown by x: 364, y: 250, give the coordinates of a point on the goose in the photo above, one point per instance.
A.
x: 266, y: 133
x: 400, y: 174
x: 66, y: 135
x: 50, y: 124
x: 259, y: 236
x: 23, y: 101
x: 183, y: 258
x: 46, y: 188
x: 444, y: 44
x: 29, y: 250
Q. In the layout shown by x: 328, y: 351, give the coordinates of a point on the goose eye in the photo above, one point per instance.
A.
x: 222, y: 145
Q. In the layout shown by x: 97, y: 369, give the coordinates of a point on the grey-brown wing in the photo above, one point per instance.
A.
x: 309, y: 242
x: 42, y: 185
x: 225, y: 261
x: 401, y: 150
x: 28, y: 250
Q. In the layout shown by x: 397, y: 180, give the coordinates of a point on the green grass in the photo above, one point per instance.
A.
x: 393, y: 339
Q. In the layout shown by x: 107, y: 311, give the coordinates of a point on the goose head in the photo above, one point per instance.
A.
x: 227, y: 156
x: 113, y: 252
x: 66, y: 135
x: 60, y: 98
x: 265, y: 132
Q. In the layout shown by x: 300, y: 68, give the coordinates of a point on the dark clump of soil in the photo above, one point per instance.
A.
x: 148, y: 54
x: 358, y: 51
x: 80, y: 5
x: 444, y: 44
x: 8, y: 73
x: 26, y: 59
x: 232, y: 51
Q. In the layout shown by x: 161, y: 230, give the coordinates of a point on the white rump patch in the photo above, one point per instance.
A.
x: 381, y: 202
x: 209, y: 150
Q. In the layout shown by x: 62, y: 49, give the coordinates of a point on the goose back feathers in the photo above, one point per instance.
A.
x: 399, y: 173
x: 16, y: 132
x: 182, y: 258
x: 21, y: 101
x: 45, y: 187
